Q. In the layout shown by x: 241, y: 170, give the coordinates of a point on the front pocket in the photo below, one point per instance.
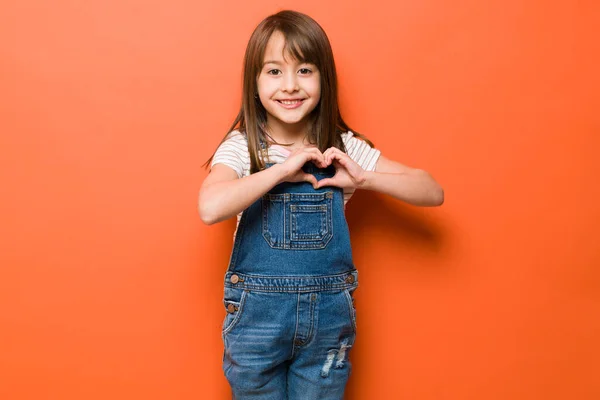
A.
x: 299, y: 221
x: 349, y: 293
x: 233, y: 300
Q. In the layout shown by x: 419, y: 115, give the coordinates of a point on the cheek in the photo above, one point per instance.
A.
x: 316, y: 96
x: 263, y: 86
x: 315, y: 89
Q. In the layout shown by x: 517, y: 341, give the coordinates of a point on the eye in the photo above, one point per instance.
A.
x: 273, y: 71
x: 305, y: 71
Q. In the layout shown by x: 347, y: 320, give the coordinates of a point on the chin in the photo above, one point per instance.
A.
x: 290, y: 120
x: 294, y: 122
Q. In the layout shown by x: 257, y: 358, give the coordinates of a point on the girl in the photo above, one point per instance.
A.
x: 286, y: 168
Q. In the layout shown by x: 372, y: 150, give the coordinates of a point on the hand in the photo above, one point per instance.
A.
x: 348, y: 174
x: 292, y: 167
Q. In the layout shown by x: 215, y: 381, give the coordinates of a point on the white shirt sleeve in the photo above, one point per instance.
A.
x: 233, y: 152
x: 360, y: 152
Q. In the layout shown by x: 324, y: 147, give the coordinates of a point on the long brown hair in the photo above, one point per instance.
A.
x: 305, y: 41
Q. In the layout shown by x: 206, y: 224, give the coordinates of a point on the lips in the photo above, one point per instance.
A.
x: 290, y: 104
x: 289, y: 101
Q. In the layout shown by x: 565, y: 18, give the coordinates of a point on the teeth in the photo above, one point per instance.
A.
x: 289, y: 102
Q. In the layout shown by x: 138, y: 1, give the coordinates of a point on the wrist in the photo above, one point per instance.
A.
x: 279, y: 172
x: 367, y: 179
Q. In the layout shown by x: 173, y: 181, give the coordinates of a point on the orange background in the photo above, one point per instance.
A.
x: 110, y: 285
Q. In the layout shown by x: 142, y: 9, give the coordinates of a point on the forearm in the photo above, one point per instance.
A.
x: 223, y: 200
x: 416, y: 187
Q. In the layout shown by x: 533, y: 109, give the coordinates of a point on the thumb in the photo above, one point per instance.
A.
x: 311, y: 179
x: 326, y: 182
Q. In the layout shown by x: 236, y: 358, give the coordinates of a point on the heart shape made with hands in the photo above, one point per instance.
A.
x: 348, y: 174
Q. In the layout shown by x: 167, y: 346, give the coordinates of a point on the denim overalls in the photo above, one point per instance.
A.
x: 288, y: 293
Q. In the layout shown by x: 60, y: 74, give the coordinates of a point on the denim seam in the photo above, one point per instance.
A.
x: 238, y: 239
x: 311, y: 334
x: 237, y: 316
x: 294, y: 242
x: 304, y: 282
x: 338, y: 275
x: 302, y: 289
x: 350, y: 309
x: 296, y: 330
x: 297, y: 209
x: 326, y: 238
x: 284, y: 227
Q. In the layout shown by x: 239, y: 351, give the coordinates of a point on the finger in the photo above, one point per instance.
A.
x: 311, y: 179
x: 338, y: 159
x: 318, y: 159
x: 329, y: 158
x: 326, y: 155
x: 314, y: 151
x: 332, y: 157
x: 333, y: 151
x: 341, y: 158
x: 338, y: 152
x: 315, y: 154
x: 308, y: 155
x: 326, y: 182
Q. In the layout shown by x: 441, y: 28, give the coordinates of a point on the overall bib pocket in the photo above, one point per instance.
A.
x: 298, y: 221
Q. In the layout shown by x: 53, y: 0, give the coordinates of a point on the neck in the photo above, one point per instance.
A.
x: 288, y: 133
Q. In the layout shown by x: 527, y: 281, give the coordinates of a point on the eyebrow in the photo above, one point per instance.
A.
x: 281, y: 63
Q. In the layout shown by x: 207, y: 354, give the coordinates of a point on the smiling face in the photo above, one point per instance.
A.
x: 288, y: 89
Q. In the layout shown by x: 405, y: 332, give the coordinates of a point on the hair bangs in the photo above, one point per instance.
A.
x: 299, y: 48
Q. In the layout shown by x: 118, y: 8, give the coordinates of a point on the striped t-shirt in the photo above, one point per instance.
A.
x: 234, y: 153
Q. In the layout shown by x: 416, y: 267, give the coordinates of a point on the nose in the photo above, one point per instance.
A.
x: 289, y: 83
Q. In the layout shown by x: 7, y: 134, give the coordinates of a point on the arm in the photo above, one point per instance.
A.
x: 412, y: 185
x: 224, y: 195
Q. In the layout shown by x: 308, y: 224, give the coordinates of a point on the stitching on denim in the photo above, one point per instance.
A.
x: 296, y: 330
x: 238, y: 239
x: 266, y: 201
x: 284, y: 241
x: 258, y: 276
x: 350, y: 309
x: 300, y: 289
x: 321, y: 243
x: 297, y: 241
x: 308, y: 236
x: 297, y: 283
x: 311, y: 335
x: 237, y: 316
x: 299, y: 209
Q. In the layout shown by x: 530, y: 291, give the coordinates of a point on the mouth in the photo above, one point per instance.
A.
x: 292, y: 103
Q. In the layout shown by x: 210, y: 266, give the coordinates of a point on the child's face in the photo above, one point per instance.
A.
x: 281, y: 80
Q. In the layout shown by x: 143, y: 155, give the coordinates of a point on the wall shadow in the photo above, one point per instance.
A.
x: 395, y: 220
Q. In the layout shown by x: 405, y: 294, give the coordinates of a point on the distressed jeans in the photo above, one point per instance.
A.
x: 290, y: 320
x: 288, y: 337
